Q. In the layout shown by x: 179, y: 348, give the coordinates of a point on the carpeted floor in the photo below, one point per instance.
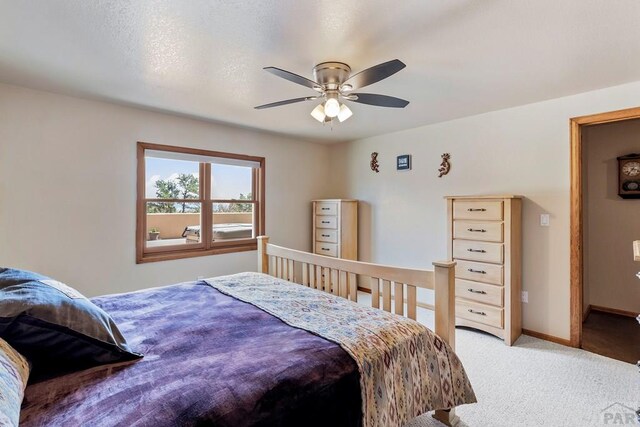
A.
x: 539, y: 383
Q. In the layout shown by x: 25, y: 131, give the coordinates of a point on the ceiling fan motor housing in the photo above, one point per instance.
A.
x: 330, y: 75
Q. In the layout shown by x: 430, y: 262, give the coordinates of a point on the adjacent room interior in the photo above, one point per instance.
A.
x: 286, y: 213
x: 611, y: 293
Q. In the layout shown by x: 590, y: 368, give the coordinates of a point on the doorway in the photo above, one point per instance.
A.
x: 596, y: 327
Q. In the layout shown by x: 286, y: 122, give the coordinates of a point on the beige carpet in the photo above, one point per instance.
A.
x: 539, y: 383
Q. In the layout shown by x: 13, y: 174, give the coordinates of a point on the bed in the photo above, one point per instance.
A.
x: 220, y: 232
x: 259, y: 349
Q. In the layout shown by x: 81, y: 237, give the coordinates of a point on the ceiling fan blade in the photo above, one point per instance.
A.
x: 375, y: 74
x: 285, y: 102
x: 293, y: 77
x: 380, y: 100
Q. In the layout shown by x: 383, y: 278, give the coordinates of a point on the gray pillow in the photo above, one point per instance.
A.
x: 55, y: 327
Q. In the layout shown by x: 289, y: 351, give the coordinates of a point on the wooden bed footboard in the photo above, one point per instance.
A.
x: 339, y: 277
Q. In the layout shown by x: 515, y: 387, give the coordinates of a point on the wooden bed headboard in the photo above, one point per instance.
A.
x: 338, y: 276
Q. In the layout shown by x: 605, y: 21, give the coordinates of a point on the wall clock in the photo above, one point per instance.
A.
x: 629, y: 176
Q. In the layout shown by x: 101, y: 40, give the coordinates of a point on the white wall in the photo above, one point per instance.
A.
x: 611, y: 223
x: 68, y: 189
x: 63, y: 157
x: 523, y: 150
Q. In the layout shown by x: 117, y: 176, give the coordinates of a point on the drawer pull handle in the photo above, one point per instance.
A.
x: 476, y: 210
x: 325, y: 209
x: 481, y: 313
x: 471, y: 270
x: 325, y: 249
x: 476, y: 292
x: 482, y: 251
x: 325, y: 222
x: 477, y: 230
x: 326, y: 235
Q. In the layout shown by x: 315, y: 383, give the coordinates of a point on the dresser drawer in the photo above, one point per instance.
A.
x: 323, y: 221
x: 328, y: 249
x: 479, y: 272
x: 480, y: 292
x: 480, y: 313
x: 478, y: 251
x: 489, y: 210
x: 327, y: 235
x: 326, y: 208
x: 478, y: 230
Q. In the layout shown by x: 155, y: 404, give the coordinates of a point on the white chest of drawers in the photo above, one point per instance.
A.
x: 335, y: 228
x: 484, y: 238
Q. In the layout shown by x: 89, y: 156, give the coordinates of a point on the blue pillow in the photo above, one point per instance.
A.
x: 55, y: 327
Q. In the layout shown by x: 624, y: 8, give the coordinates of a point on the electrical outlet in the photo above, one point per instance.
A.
x: 544, y: 220
x: 525, y: 297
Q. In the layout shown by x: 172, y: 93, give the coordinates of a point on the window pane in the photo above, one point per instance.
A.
x: 173, y: 224
x: 231, y: 182
x: 232, y: 221
x: 171, y: 179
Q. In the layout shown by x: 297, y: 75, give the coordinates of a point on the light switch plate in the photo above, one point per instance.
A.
x: 544, y: 220
x: 525, y: 297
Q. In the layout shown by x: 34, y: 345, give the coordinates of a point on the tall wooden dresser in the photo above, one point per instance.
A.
x: 484, y: 238
x: 335, y: 228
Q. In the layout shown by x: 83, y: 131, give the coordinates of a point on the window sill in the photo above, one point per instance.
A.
x: 225, y: 248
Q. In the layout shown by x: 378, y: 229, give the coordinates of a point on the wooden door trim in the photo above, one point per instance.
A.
x: 576, y: 227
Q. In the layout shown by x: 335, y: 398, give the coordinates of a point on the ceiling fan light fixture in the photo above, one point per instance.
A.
x: 332, y: 107
x: 318, y: 113
x: 334, y: 82
x: 344, y: 113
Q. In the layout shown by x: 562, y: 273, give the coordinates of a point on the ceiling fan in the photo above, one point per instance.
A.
x: 333, y: 82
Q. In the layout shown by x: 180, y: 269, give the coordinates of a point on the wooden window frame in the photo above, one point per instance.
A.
x: 206, y: 246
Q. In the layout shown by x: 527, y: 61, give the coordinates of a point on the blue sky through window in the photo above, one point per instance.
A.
x: 228, y: 181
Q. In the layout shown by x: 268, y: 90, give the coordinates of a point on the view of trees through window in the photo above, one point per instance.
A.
x: 194, y: 202
x: 186, y: 186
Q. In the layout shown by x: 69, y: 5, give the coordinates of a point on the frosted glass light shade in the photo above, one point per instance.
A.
x: 332, y: 107
x: 344, y: 113
x: 318, y: 113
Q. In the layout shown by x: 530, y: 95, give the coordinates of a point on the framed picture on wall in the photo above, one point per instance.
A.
x: 403, y: 162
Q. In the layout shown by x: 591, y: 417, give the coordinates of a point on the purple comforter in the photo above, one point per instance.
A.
x: 209, y: 360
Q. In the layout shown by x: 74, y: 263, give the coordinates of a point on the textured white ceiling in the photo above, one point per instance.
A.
x: 205, y: 58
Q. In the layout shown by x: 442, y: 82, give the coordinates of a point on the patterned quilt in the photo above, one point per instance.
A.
x: 405, y: 369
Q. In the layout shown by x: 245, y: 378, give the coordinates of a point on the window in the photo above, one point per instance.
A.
x: 196, y: 202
